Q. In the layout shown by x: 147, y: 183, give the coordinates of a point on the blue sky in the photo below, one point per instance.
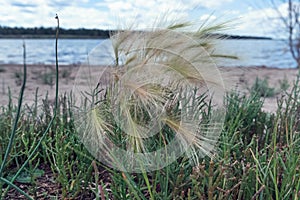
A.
x: 250, y: 17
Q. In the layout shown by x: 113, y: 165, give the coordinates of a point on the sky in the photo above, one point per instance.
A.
x: 245, y: 17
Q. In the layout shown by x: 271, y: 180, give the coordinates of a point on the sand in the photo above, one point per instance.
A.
x: 243, y: 78
x: 39, y: 78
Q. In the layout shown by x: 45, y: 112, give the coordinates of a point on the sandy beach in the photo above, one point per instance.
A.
x: 41, y: 77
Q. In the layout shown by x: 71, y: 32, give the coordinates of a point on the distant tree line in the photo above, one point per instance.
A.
x: 41, y: 32
x: 238, y: 37
x: 6, y: 32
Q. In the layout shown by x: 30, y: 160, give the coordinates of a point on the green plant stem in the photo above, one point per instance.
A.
x: 54, y: 114
x: 20, y: 100
x: 16, y: 187
x: 148, y: 184
x: 56, y: 64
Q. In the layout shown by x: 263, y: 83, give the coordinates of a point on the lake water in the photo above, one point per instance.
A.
x: 270, y: 53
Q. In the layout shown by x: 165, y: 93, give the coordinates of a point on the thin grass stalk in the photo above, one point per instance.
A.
x: 20, y: 100
x: 132, y: 186
x: 98, y: 192
x: 13, y: 132
x: 297, y: 189
x: 54, y: 114
x: 210, y: 180
x: 167, y: 181
x: 148, y: 185
x: 275, y: 159
x: 16, y: 187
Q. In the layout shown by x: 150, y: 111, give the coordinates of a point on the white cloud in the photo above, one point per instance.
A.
x: 146, y: 13
x: 111, y: 14
x: 207, y: 17
x: 119, y: 6
x: 261, y: 22
x: 37, y: 13
x: 211, y: 3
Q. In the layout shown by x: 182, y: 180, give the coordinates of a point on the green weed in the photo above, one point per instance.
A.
x: 19, y: 77
x: 257, y: 155
x: 48, y: 78
x: 284, y: 84
x: 262, y: 88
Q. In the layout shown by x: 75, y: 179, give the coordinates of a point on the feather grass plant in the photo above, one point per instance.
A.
x: 257, y: 153
x: 152, y: 72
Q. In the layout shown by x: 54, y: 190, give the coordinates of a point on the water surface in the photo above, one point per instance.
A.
x: 269, y: 53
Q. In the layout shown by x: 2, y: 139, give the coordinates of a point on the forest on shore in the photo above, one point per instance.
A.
x: 80, y: 33
x: 42, y: 32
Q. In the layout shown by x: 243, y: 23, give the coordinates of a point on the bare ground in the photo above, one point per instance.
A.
x: 41, y: 77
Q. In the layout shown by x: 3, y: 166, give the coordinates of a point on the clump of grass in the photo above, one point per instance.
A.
x: 257, y: 153
x: 48, y: 78
x: 3, y: 87
x: 262, y: 88
x: 66, y: 73
x: 284, y: 84
x: 35, y: 146
x: 153, y: 71
x: 18, y: 75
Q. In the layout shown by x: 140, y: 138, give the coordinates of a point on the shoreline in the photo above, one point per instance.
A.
x: 39, y: 76
x: 79, y: 64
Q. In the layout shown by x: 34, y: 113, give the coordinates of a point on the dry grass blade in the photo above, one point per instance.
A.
x: 151, y: 70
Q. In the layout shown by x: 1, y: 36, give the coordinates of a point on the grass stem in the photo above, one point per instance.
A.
x: 15, y: 126
x: 54, y: 114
